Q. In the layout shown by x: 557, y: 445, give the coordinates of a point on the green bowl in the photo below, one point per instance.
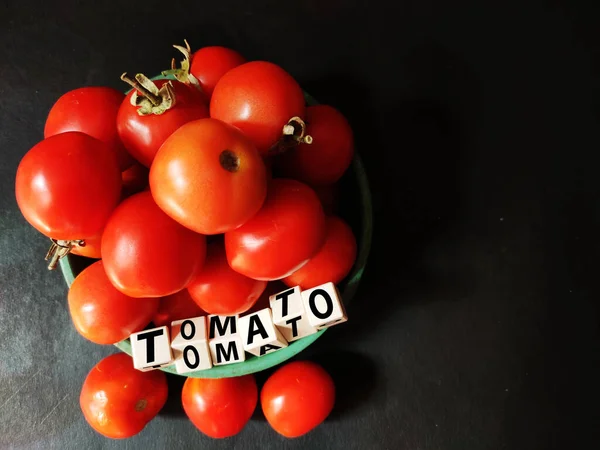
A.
x: 355, y: 208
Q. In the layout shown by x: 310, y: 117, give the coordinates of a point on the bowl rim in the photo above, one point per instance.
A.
x: 255, y: 364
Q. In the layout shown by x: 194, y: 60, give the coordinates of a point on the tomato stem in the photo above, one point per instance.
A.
x: 134, y: 83
x: 293, y: 133
x: 59, y: 249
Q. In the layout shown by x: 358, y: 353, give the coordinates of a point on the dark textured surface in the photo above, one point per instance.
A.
x: 479, y: 129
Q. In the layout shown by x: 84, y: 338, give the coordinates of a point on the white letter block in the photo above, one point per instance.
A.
x: 225, y: 341
x: 226, y: 351
x: 289, y: 315
x: 222, y: 327
x: 151, y: 349
x: 190, y: 344
x: 324, y: 306
x: 188, y: 331
x: 259, y: 333
x: 193, y: 357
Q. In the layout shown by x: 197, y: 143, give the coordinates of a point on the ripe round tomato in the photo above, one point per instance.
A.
x: 297, y: 398
x: 220, y: 407
x: 209, y: 64
x: 68, y: 185
x: 218, y: 289
x: 148, y: 254
x: 91, y: 249
x: 330, y: 154
x: 102, y: 314
x: 135, y: 179
x: 287, y: 231
x: 93, y: 111
x: 259, y: 98
x: 177, y: 306
x: 332, y: 262
x: 143, y: 135
x: 208, y: 177
x: 118, y: 400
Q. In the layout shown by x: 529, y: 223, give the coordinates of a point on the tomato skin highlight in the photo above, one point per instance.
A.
x: 287, y: 231
x: 259, y: 98
x: 209, y: 64
x: 209, y: 177
x: 325, y: 160
x: 93, y: 111
x: 117, y: 400
x: 102, y: 314
x: 297, y: 398
x: 218, y: 289
x: 61, y: 202
x: 143, y: 135
x: 332, y: 262
x: 148, y: 254
x: 177, y: 306
x: 220, y: 407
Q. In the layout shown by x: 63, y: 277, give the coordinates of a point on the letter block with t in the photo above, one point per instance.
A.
x: 324, y: 306
x: 289, y: 315
x: 151, y: 349
x: 259, y: 333
x: 225, y: 340
x: 190, y: 345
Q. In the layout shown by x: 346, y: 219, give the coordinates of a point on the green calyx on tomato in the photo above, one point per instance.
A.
x: 148, y: 97
x: 183, y: 73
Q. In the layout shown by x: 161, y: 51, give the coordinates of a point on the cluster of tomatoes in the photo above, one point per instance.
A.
x: 219, y: 150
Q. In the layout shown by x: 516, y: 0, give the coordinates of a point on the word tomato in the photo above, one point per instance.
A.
x: 93, y: 111
x: 220, y: 407
x: 218, y: 289
x: 209, y: 64
x: 329, y: 155
x: 259, y: 98
x: 118, y: 400
x: 209, y: 177
x: 102, y: 314
x: 297, y: 398
x: 143, y: 127
x: 287, y: 231
x: 148, y: 254
x: 68, y: 185
x: 332, y: 262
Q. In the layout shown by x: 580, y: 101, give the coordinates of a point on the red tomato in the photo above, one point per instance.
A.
x: 273, y: 287
x: 143, y: 135
x: 118, y: 400
x: 220, y: 407
x: 287, y: 231
x: 208, y: 177
x: 148, y: 254
x: 330, y: 154
x: 102, y: 314
x: 91, y: 249
x: 218, y: 289
x: 93, y: 111
x: 259, y: 98
x: 297, y: 398
x: 177, y: 306
x: 135, y: 179
x: 68, y: 185
x: 332, y: 262
x: 209, y: 64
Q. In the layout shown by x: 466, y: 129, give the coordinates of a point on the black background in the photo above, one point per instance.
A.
x: 476, y: 326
